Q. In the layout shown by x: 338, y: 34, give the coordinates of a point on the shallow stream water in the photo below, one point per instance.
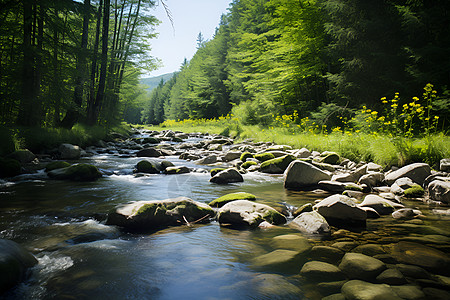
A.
x: 62, y: 224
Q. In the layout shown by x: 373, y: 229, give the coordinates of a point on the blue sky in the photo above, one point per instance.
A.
x: 190, y: 17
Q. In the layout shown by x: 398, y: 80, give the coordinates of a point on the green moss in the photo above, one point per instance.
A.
x: 415, y: 191
x: 221, y: 201
x: 82, y: 172
x: 216, y: 170
x: 274, y: 217
x: 351, y: 187
x: 277, y: 165
x: 145, y: 166
x: 246, y: 155
x: 9, y: 167
x: 56, y: 165
x: 148, y: 208
x: 248, y: 164
x: 264, y: 156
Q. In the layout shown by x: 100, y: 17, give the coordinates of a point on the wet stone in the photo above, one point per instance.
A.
x: 321, y: 271
x: 391, y: 277
x: 360, y: 266
x: 409, y: 292
x: 369, y: 249
x: 326, y: 254
x: 361, y: 290
x: 344, y: 246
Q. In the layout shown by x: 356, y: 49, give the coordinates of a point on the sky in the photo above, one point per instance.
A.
x: 190, y: 17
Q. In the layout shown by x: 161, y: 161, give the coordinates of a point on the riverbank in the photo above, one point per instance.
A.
x: 346, y: 226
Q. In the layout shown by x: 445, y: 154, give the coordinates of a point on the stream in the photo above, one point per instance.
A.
x: 62, y: 224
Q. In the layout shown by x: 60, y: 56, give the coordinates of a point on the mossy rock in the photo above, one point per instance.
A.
x: 246, y: 155
x: 216, y: 170
x: 331, y: 158
x: 248, y: 164
x: 56, y: 165
x: 353, y: 187
x: 277, y: 165
x: 415, y: 191
x: 264, y: 156
x: 150, y: 140
x: 9, y: 167
x: 145, y: 166
x: 221, y: 201
x: 77, y: 172
x: 150, y: 215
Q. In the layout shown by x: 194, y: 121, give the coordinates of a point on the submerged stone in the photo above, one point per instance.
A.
x: 77, y: 172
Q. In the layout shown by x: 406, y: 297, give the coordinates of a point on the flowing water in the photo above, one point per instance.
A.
x: 62, y: 223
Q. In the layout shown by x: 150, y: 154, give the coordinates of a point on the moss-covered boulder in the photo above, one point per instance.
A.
x: 264, y: 156
x: 415, y: 191
x: 331, y: 158
x: 248, y: 164
x: 221, y: 201
x: 14, y: 263
x: 216, y: 170
x: 59, y: 164
x: 246, y: 155
x: 152, y: 215
x: 23, y: 156
x: 276, y: 165
x: 244, y: 213
x: 77, y: 172
x: 9, y: 167
x: 146, y: 166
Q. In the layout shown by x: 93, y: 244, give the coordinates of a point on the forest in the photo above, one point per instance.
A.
x: 316, y: 59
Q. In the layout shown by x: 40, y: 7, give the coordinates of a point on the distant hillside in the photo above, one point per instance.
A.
x: 153, y: 82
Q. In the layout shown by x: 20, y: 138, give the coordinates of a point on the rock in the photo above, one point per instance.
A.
x: 274, y: 286
x: 215, y: 147
x: 436, y: 294
x: 444, y: 165
x: 77, y: 172
x: 164, y: 164
x: 331, y: 158
x: 409, y: 292
x: 262, y: 157
x: 221, y: 201
x: 9, y: 167
x: 439, y: 191
x: 372, y: 179
x: 369, y: 249
x: 351, y: 177
x: 151, y: 215
x: 14, y: 263
x: 23, y: 156
x: 361, y: 290
x: 382, y: 206
x: 324, y: 166
x: 400, y: 185
x: 406, y: 213
x: 210, y: 159
x: 248, y: 164
x: 244, y: 156
x: 300, y: 175
x: 302, y: 153
x: 304, y: 208
x: 338, y: 187
x: 423, y: 256
x: 417, y: 172
x: 68, y: 151
x: 227, y: 176
x: 231, y: 155
x: 311, y: 223
x: 214, y: 171
x: 326, y: 254
x: 176, y: 170
x: 150, y: 140
x: 244, y: 213
x: 360, y: 266
x: 318, y: 271
x: 291, y: 242
x: 373, y: 167
x: 279, y: 260
x: 56, y: 165
x: 276, y: 165
x: 149, y: 152
x: 146, y: 166
x: 341, y: 210
x: 413, y: 271
x: 391, y: 277
x: 416, y: 191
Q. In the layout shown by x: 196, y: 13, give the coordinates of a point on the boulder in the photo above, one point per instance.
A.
x: 146, y: 166
x: 68, y: 151
x: 338, y: 187
x: 439, y: 191
x: 248, y: 164
x: 351, y: 177
x: 210, y: 159
x: 341, y: 210
x: 262, y: 157
x: 406, y: 213
x: 14, y: 263
x: 244, y: 156
x: 417, y: 172
x: 318, y: 271
x: 331, y: 158
x: 300, y: 175
x: 23, y: 156
x: 214, y: 171
x: 276, y: 165
x: 273, y: 286
x: 409, y: 292
x: 381, y: 205
x: 56, y: 165
x: 176, y: 170
x: 360, y: 266
x: 444, y: 165
x: 221, y: 201
x: 326, y: 254
x: 244, y: 213
x: 361, y: 290
x: 227, y: 176
x: 77, y: 172
x: 372, y: 179
x: 423, y: 256
x: 311, y: 223
x: 9, y: 167
x: 369, y: 249
x: 401, y: 184
x: 302, y: 153
x: 151, y: 215
x: 304, y: 208
x: 391, y: 277
x: 231, y: 155
x: 149, y: 152
x: 291, y: 242
x: 279, y: 260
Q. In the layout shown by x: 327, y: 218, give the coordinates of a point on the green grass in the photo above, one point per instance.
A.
x: 381, y: 149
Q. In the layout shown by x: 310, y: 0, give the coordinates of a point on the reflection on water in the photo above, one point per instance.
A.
x: 79, y: 257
